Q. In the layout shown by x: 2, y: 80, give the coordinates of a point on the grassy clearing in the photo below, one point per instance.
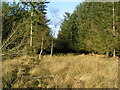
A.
x: 73, y: 71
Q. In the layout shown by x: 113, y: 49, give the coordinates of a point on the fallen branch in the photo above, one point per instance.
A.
x: 38, y: 77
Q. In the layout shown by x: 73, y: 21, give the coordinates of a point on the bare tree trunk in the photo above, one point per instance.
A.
x: 113, y: 27
x: 51, y: 48
x: 54, y: 22
x: 41, y: 49
x: 107, y: 54
x: 9, y: 38
x: 31, y: 31
x: 93, y: 53
x: 114, y: 53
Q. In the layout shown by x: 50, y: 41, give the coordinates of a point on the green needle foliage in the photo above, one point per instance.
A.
x: 90, y: 28
x: 17, y: 21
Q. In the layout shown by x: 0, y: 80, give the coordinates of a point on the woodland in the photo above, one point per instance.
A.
x: 84, y: 55
x: 93, y: 27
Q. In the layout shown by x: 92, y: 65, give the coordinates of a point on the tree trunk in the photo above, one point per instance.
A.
x: 92, y: 53
x: 41, y: 49
x: 113, y: 27
x: 107, y: 54
x: 31, y: 30
x: 113, y: 20
x: 114, y: 53
x: 51, y: 48
x: 9, y: 38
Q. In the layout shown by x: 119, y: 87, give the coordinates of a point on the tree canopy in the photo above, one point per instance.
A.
x: 90, y: 28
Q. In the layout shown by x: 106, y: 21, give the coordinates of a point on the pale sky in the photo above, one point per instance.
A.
x: 62, y: 7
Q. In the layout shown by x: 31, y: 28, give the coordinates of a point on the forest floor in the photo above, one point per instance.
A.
x: 63, y: 71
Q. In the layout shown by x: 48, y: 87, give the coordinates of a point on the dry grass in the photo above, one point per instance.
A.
x: 73, y: 71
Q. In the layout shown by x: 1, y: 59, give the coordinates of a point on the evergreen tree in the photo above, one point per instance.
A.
x: 19, y: 37
x: 90, y: 28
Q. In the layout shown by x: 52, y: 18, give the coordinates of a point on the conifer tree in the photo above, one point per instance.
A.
x: 19, y: 36
x: 92, y: 27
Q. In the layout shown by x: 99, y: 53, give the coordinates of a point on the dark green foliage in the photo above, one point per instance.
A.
x: 117, y: 20
x: 90, y: 28
x: 17, y: 21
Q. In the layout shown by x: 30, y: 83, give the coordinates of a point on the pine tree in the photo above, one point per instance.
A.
x: 19, y: 36
x: 93, y: 26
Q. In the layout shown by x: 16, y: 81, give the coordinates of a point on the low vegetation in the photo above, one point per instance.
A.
x: 28, y: 40
x: 63, y: 71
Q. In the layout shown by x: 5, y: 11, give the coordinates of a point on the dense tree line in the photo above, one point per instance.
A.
x: 25, y: 29
x: 93, y: 27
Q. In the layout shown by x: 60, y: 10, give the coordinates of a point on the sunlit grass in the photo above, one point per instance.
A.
x: 74, y: 71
